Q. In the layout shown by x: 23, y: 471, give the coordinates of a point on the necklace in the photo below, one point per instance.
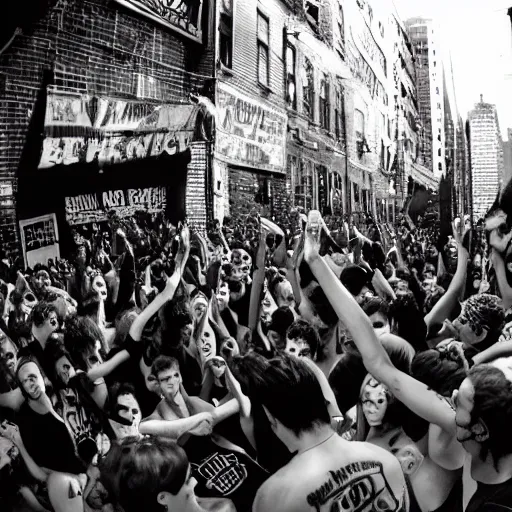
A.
x: 317, y: 444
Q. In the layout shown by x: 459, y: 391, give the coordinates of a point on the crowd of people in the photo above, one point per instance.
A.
x: 321, y: 367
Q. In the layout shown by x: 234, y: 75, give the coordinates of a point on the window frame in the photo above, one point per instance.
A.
x: 226, y: 26
x: 262, y: 45
x: 308, y: 105
x: 291, y: 74
x: 324, y: 104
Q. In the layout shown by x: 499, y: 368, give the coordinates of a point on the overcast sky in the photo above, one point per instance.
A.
x: 478, y: 34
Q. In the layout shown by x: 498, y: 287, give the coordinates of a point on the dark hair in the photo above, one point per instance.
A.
x: 345, y: 380
x: 80, y: 336
x: 322, y: 306
x: 163, y: 363
x: 409, y: 321
x: 282, y: 318
x: 287, y: 388
x: 372, y: 305
x: 116, y: 390
x: 400, y: 351
x: 41, y: 311
x: 53, y: 351
x: 438, y: 371
x: 135, y: 471
x: 493, y: 405
x: 90, y: 304
x: 304, y: 330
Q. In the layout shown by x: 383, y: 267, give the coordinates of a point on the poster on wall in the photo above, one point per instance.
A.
x: 182, y: 16
x: 40, y: 239
x: 249, y: 133
x: 84, y: 129
x: 94, y: 207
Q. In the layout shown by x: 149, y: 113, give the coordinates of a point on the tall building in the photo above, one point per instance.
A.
x: 486, y: 156
x: 429, y: 81
x: 410, y: 171
x: 462, y: 174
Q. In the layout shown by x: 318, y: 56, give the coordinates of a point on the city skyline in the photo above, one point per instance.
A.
x: 477, y: 36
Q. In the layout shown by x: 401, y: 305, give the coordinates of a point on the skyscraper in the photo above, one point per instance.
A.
x: 486, y: 156
x: 429, y: 80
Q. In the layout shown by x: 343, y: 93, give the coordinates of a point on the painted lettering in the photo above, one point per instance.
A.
x: 113, y: 198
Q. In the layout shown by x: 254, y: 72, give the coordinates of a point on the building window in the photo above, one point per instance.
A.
x: 338, y: 114
x: 303, y: 181
x: 437, y: 90
x: 263, y: 53
x: 439, y: 152
x: 440, y: 166
x: 341, y: 28
x: 308, y: 92
x: 359, y: 125
x: 435, y: 63
x: 312, y: 11
x: 291, y: 81
x: 226, y: 34
x: 324, y: 103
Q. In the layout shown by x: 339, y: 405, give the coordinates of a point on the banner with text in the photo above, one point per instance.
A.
x: 182, y: 16
x: 84, y: 129
x: 94, y: 207
x: 249, y: 134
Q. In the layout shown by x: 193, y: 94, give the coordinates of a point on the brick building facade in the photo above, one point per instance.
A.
x: 98, y: 48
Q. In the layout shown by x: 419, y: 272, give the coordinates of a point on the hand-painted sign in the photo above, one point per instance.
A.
x: 249, y: 133
x: 82, y: 129
x: 94, y: 207
x: 182, y: 16
x: 39, y: 239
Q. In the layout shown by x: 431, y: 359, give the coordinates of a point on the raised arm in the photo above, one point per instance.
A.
x: 166, y: 295
x: 155, y: 425
x: 442, y: 310
x: 415, y: 395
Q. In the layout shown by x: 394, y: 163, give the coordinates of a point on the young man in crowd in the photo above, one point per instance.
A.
x: 327, y: 472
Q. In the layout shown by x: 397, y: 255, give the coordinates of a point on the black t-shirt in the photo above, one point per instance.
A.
x: 492, y: 498
x: 48, y: 441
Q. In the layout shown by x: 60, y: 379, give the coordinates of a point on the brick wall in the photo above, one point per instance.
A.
x: 93, y: 47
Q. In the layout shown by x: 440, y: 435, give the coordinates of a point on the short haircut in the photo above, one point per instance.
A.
x: 163, y: 363
x: 286, y: 387
x: 304, y: 330
x: 493, y: 405
x: 373, y: 305
x: 41, y: 311
x: 135, y: 471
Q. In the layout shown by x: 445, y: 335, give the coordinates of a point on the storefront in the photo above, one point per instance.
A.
x: 102, y: 157
x: 250, y: 152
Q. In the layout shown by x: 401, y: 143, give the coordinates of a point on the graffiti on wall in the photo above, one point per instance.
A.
x: 84, y: 129
x: 249, y: 134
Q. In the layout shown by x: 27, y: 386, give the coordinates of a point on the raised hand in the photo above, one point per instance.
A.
x: 312, y: 236
x: 11, y: 431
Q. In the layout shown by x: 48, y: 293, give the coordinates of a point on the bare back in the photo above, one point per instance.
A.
x: 337, y: 476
